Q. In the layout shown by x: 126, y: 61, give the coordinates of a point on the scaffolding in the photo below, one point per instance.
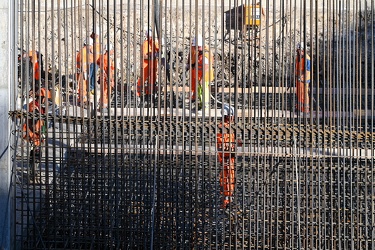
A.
x: 143, y: 171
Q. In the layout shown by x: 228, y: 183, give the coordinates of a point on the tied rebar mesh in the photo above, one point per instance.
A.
x: 143, y: 172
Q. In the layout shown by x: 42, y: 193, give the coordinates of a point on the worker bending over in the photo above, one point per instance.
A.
x: 34, y: 128
x: 226, y: 147
x: 146, y: 85
x: 202, y: 73
x: 303, y: 72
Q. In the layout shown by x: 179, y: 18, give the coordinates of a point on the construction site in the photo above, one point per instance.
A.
x: 160, y: 124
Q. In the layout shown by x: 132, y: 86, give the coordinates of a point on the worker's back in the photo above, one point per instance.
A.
x: 84, y: 59
x: 226, y: 141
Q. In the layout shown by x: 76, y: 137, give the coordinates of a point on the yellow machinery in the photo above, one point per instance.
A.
x: 243, y: 18
x: 253, y: 14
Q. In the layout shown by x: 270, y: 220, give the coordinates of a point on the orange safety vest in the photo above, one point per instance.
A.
x: 226, y: 142
x: 34, y: 57
x: 84, y: 57
x: 303, y: 68
x: 150, y: 47
x: 149, y: 67
x: 226, y: 146
x: 32, y: 128
x: 107, y: 67
x: 96, y: 48
x: 303, y: 72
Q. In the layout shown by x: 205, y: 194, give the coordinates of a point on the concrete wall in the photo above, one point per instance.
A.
x: 5, y: 82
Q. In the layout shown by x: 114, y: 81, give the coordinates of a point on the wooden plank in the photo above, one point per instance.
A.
x: 277, y: 90
x: 240, y: 90
x: 242, y: 151
x: 240, y: 113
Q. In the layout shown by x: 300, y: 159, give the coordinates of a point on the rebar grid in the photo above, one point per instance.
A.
x: 144, y: 172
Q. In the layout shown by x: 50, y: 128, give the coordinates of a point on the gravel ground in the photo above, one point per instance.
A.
x: 243, y: 61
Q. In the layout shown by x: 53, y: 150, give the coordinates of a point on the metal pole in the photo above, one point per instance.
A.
x: 7, y: 52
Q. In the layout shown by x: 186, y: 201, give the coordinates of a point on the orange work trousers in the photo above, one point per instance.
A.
x: 105, y: 89
x: 227, y: 175
x: 303, y: 99
x: 82, y: 86
x: 146, y: 83
x: 32, y: 132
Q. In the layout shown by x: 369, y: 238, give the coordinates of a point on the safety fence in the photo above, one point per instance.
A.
x: 193, y: 125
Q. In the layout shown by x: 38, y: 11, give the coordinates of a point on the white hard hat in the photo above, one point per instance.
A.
x: 227, y: 110
x: 97, y: 30
x: 108, y: 47
x: 91, y: 41
x: 197, y: 41
x: 148, y: 32
x: 301, y: 46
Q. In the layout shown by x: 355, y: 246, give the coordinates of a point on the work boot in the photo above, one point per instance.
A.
x: 147, y: 101
x: 226, y: 201
x: 35, y: 155
x: 139, y: 102
x: 34, y: 159
x: 200, y: 106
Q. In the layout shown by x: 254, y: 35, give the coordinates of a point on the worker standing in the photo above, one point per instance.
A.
x: 96, y: 50
x: 226, y: 147
x: 202, y: 73
x: 106, y: 76
x: 146, y: 85
x: 303, y: 72
x: 84, y: 59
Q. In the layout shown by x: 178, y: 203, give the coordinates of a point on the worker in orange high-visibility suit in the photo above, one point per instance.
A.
x: 32, y: 132
x: 303, y: 72
x: 146, y: 84
x: 37, y: 65
x: 202, y: 73
x: 106, y: 76
x: 84, y: 59
x: 32, y: 128
x: 226, y: 147
x: 42, y: 96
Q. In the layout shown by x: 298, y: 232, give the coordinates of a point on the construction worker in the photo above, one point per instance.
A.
x: 303, y: 72
x: 106, y: 76
x: 202, y: 73
x: 84, y: 58
x: 226, y: 147
x: 96, y: 51
x: 37, y: 65
x: 32, y: 128
x: 146, y: 85
x: 42, y: 96
x: 31, y: 64
x: 33, y: 131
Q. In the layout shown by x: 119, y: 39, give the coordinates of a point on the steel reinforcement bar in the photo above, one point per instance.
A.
x: 182, y: 130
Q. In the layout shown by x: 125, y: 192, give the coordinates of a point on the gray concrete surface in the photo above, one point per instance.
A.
x: 6, y: 44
